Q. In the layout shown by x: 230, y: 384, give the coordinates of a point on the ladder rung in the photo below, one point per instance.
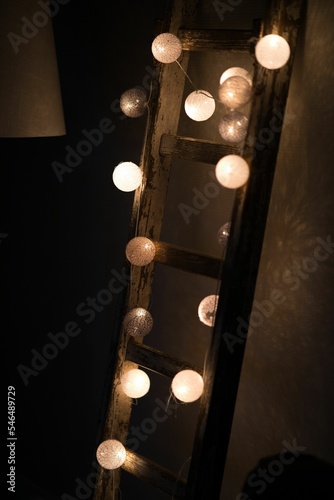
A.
x: 155, y: 360
x: 148, y: 471
x: 195, y: 149
x: 212, y: 39
x: 187, y: 260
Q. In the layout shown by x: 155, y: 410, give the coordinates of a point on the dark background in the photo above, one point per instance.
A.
x: 65, y: 239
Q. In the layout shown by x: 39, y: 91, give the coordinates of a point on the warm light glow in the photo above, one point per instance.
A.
x: 272, y: 51
x: 233, y: 127
x: 166, y: 48
x: 138, y: 322
x: 207, y: 309
x: 135, y: 383
x: 127, y: 176
x: 232, y: 171
x: 133, y: 102
x: 236, y: 71
x: 111, y: 454
x: 235, y: 91
x: 223, y: 234
x: 199, y: 105
x: 187, y: 386
x: 140, y: 251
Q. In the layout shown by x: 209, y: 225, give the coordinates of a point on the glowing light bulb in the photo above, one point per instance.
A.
x: 166, y: 48
x: 133, y: 102
x: 233, y: 127
x: 235, y: 91
x: 111, y: 454
x: 236, y: 71
x: 223, y: 234
x: 199, y: 105
x: 272, y: 51
x: 127, y: 176
x: 187, y: 386
x: 140, y: 251
x: 207, y: 309
x: 138, y: 322
x: 232, y: 171
x: 135, y: 383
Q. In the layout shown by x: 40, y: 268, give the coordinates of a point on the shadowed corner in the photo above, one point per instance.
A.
x: 307, y: 477
x: 28, y: 490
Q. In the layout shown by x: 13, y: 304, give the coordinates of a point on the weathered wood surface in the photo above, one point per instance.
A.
x: 239, y: 273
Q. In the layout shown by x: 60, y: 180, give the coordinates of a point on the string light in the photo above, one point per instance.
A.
x: 140, y: 251
x: 199, y: 105
x: 127, y: 176
x: 111, y: 454
x: 223, y: 234
x: 236, y: 71
x: 207, y: 309
x: 166, y: 48
x: 187, y: 386
x: 135, y: 383
x: 133, y: 102
x: 234, y: 92
x: 138, y: 322
x: 233, y: 127
x: 272, y: 51
x: 232, y: 171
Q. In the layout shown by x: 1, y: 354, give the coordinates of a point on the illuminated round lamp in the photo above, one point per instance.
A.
x: 199, y: 105
x: 166, y: 48
x: 138, y: 322
x: 111, y: 454
x: 133, y: 102
x: 232, y: 171
x: 207, y: 309
x: 235, y: 91
x: 236, y: 71
x: 223, y: 234
x: 233, y: 127
x: 140, y: 251
x: 127, y: 176
x: 135, y: 383
x: 272, y: 51
x: 187, y: 386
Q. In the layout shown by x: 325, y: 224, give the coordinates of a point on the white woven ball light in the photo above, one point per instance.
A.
x: 166, y: 48
x: 236, y: 71
x: 272, y: 51
x: 187, y: 386
x: 232, y: 171
x: 138, y: 322
x: 233, y: 127
x: 127, y: 176
x: 133, y: 102
x: 140, y: 251
x: 111, y: 454
x: 207, y: 310
x: 135, y: 383
x: 199, y: 105
x: 234, y: 92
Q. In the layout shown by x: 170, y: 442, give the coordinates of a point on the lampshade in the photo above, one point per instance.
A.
x: 207, y: 309
x: 235, y: 91
x: 127, y: 176
x: 233, y: 126
x: 166, y: 48
x: 236, y: 71
x: 199, y: 105
x: 232, y: 171
x: 223, y: 234
x: 135, y: 383
x: 30, y: 96
x: 133, y: 102
x: 187, y: 386
x: 140, y: 251
x: 272, y: 51
x: 111, y: 454
x: 138, y: 322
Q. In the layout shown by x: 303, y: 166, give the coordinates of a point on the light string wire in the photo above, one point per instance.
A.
x: 179, y: 476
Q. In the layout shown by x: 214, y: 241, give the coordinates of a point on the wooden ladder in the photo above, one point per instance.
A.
x: 237, y: 271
